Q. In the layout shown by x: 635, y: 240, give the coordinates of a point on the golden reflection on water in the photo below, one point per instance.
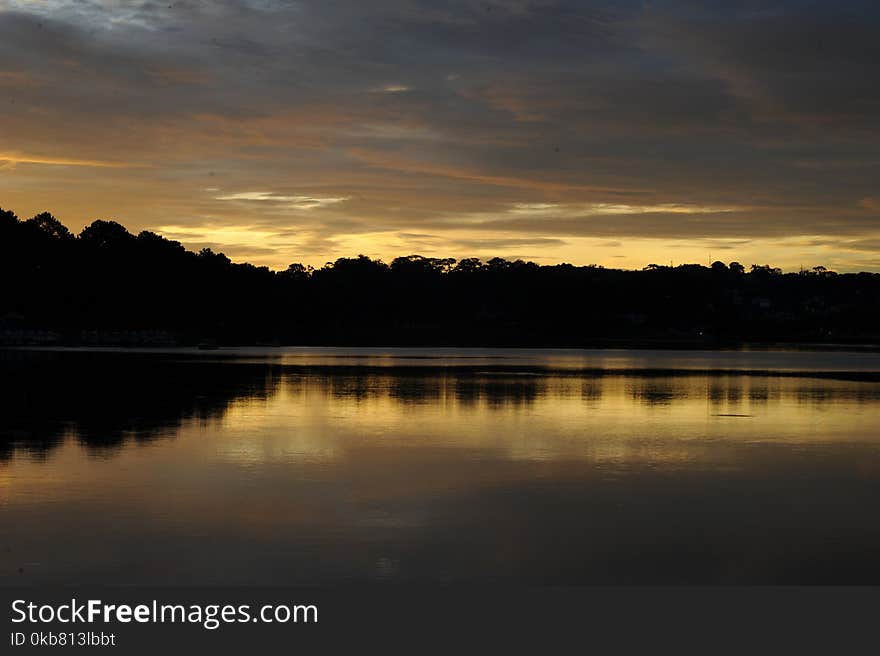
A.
x: 610, y: 418
x: 315, y: 418
x: 346, y: 459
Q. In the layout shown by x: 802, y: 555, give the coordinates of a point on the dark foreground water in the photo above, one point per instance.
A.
x: 325, y: 466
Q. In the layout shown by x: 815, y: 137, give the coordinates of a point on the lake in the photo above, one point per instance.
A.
x: 327, y: 466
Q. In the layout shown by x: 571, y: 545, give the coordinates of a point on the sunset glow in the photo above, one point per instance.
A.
x: 618, y: 134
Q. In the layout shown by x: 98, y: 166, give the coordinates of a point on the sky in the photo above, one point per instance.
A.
x: 613, y: 133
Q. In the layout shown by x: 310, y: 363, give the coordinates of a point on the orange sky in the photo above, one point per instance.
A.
x: 618, y: 135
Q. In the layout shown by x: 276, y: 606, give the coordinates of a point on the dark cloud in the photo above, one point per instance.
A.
x: 660, y: 224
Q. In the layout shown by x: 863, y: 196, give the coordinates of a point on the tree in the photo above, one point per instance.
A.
x: 419, y: 264
x: 357, y: 266
x: 47, y: 224
x: 765, y: 270
x: 209, y: 255
x: 156, y: 242
x: 105, y: 234
x: 111, y: 280
x: 8, y: 219
x: 498, y: 264
x: 468, y: 265
x: 823, y: 272
x: 297, y: 272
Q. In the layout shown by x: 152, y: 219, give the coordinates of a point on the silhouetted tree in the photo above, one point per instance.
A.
x: 108, y: 286
x: 297, y: 272
x: 49, y: 225
x: 765, y: 270
x: 468, y: 265
x: 214, y: 259
x: 8, y: 219
x: 105, y: 234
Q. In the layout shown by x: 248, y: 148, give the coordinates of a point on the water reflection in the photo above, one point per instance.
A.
x: 104, y: 401
x: 186, y: 468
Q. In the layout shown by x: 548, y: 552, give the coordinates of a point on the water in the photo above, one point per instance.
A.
x: 289, y: 466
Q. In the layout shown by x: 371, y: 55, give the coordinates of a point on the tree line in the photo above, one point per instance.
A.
x: 108, y: 285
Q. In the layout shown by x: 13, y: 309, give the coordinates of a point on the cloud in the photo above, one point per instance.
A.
x: 20, y: 158
x: 434, y: 169
x: 294, y: 202
x: 558, y: 123
x: 612, y: 209
x: 393, y: 88
x: 491, y: 244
